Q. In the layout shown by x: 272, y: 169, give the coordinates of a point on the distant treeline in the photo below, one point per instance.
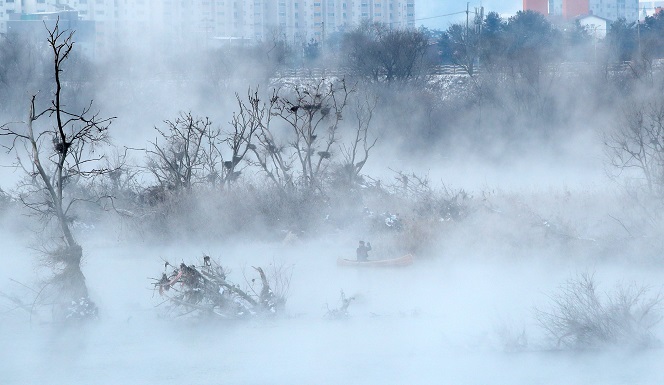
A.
x: 523, y: 78
x: 524, y: 43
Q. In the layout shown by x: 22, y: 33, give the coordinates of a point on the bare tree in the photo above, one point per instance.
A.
x: 462, y: 46
x: 193, y: 152
x: 121, y: 182
x: 356, y: 152
x: 312, y: 115
x: 637, y: 143
x: 182, y: 160
x: 378, y: 52
x: 57, y: 155
x: 246, y: 122
x: 270, y: 156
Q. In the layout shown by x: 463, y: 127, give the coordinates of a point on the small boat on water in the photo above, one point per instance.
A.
x: 404, y: 260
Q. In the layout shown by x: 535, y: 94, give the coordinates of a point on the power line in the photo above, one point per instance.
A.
x: 438, y: 16
x: 461, y: 12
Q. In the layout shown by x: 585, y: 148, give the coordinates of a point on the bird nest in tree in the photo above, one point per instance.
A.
x: 204, y: 290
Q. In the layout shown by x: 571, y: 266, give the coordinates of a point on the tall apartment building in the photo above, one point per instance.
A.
x: 608, y: 9
x: 541, y: 6
x: 616, y: 9
x: 556, y: 7
x: 575, y: 8
x: 156, y: 23
x: 7, y: 10
x: 307, y: 19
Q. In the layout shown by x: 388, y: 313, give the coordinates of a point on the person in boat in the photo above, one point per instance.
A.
x: 363, y: 251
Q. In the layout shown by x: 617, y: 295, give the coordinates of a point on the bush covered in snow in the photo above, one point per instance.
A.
x: 579, y: 316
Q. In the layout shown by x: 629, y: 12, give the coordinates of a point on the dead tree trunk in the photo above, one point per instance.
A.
x: 60, y: 153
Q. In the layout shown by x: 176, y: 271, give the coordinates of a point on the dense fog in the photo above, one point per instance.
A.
x: 447, y: 320
x: 536, y: 243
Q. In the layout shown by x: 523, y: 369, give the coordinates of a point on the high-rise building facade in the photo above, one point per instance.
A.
x: 575, y: 8
x: 198, y: 22
x: 7, y: 10
x: 307, y: 19
x: 607, y: 9
x: 616, y: 9
x: 541, y: 6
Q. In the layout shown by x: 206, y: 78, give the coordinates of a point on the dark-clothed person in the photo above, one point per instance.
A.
x: 363, y: 251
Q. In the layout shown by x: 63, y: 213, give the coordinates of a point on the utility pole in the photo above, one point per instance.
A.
x: 469, y: 57
x: 322, y: 40
x: 593, y: 28
x: 479, y: 20
x: 467, y: 17
x: 638, y: 35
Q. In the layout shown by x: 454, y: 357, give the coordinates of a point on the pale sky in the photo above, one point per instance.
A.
x: 431, y: 8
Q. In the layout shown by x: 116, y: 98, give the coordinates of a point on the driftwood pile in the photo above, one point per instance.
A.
x: 204, y: 290
x: 342, y: 311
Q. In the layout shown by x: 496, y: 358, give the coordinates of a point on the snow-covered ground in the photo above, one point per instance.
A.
x: 447, y: 319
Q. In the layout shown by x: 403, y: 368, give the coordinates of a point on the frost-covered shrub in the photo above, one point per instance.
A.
x: 82, y: 309
x: 6, y: 204
x: 580, y: 317
x: 5, y: 199
x: 511, y: 337
x: 342, y: 311
x: 206, y: 290
x: 420, y: 235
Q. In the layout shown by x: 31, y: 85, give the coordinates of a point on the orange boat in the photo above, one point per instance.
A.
x: 404, y: 260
